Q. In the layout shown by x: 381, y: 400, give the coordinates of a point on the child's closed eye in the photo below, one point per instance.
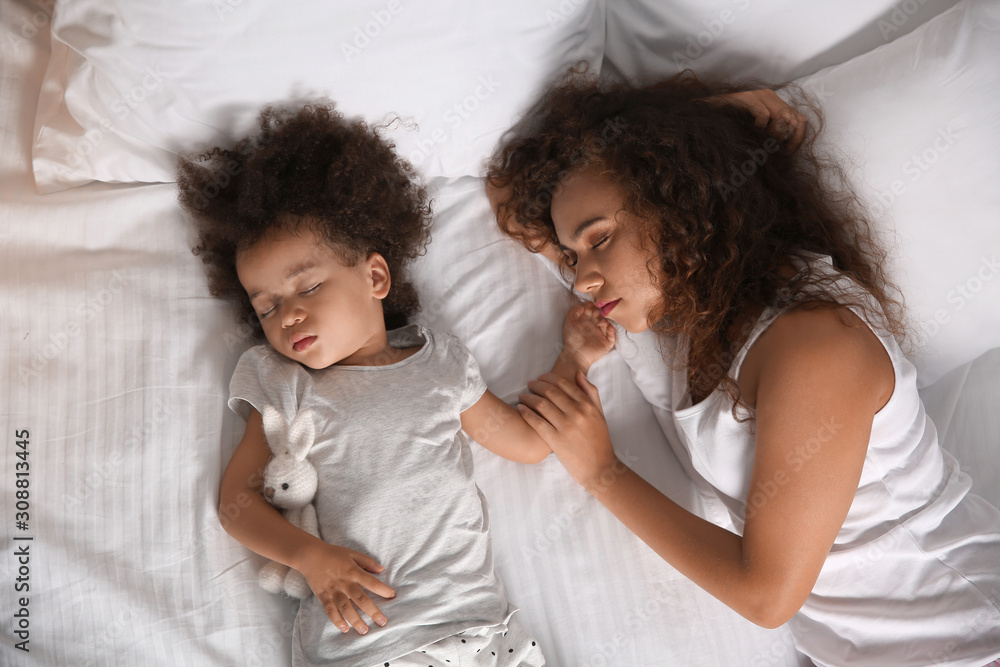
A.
x: 311, y: 289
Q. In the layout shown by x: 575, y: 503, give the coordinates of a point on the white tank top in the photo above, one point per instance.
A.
x: 913, y: 577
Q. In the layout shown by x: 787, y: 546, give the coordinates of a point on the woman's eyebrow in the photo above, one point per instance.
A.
x: 587, y: 223
x: 583, y: 227
x: 295, y: 270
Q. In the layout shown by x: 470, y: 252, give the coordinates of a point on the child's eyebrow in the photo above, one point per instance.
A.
x: 295, y: 270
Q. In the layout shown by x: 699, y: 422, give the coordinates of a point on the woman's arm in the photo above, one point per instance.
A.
x: 335, y: 574
x: 771, y: 114
x: 500, y: 428
x: 819, y: 381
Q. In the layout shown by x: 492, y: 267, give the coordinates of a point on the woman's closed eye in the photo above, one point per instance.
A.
x: 571, y: 256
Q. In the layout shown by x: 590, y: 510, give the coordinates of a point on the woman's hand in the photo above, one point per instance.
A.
x: 336, y: 576
x: 771, y: 114
x: 570, y: 419
x: 587, y: 336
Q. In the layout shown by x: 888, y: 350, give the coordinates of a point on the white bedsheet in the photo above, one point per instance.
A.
x: 116, y: 361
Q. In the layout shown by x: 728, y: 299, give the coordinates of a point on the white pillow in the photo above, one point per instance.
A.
x: 920, y: 120
x: 770, y: 40
x: 130, y: 84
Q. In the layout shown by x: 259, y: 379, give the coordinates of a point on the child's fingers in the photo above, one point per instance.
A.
x: 332, y: 609
x: 349, y: 614
x: 365, y: 561
x: 368, y: 606
x: 375, y: 586
x: 609, y: 333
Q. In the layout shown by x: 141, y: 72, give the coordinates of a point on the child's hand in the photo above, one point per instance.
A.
x: 337, y: 575
x: 587, y: 336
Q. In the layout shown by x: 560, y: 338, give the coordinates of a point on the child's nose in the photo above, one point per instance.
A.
x: 293, y: 314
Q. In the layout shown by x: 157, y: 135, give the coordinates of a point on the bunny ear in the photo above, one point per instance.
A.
x: 301, y: 434
x: 274, y: 426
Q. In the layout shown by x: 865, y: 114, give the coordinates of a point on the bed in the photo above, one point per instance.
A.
x: 116, y: 360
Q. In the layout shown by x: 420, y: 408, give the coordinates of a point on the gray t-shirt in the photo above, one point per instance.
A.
x: 396, y: 483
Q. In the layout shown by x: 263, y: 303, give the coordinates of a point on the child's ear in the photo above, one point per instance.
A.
x: 379, y: 273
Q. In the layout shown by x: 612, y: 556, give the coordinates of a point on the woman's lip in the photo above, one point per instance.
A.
x: 301, y: 344
x: 607, y: 306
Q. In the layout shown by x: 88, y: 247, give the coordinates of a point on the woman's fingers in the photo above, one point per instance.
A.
x: 543, y: 428
x: 798, y: 134
x: 786, y: 124
x: 551, y: 392
x: 542, y: 407
x: 561, y: 386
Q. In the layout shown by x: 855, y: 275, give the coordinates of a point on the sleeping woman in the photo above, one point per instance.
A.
x: 763, y: 289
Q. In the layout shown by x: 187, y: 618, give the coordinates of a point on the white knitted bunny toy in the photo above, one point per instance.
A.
x: 290, y: 484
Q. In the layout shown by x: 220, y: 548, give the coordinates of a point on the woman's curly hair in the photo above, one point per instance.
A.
x: 307, y: 167
x: 727, y: 211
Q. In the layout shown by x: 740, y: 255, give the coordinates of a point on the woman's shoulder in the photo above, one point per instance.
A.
x: 825, y: 342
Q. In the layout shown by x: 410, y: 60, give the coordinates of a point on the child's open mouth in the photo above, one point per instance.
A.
x: 303, y: 343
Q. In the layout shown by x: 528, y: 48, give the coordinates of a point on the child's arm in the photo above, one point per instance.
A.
x: 335, y: 574
x: 501, y: 429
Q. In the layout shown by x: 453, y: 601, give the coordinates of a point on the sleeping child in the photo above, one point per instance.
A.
x: 308, y: 226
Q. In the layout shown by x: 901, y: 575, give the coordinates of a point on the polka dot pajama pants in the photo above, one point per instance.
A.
x: 510, y: 647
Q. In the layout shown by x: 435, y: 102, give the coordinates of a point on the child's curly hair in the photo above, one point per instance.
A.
x: 725, y: 209
x: 308, y: 166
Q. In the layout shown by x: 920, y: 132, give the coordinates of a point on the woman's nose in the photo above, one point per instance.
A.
x: 588, y: 278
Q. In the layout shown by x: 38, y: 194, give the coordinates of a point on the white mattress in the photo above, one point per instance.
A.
x: 116, y: 361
